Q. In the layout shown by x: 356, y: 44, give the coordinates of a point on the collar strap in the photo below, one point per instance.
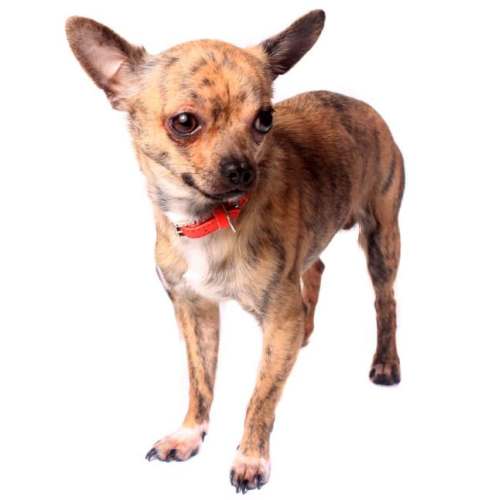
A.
x: 222, y: 217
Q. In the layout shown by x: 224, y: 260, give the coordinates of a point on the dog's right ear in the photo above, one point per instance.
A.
x: 285, y: 49
x: 110, y: 60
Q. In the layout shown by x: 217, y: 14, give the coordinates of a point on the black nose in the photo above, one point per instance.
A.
x: 239, y: 173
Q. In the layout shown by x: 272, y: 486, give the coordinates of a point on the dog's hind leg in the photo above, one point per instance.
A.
x: 198, y: 321
x: 379, y: 237
x: 311, y: 282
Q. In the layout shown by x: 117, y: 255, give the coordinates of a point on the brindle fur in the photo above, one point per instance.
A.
x: 328, y: 163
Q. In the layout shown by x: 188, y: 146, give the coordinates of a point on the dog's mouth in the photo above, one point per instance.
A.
x: 224, y: 196
x: 213, y: 198
x: 232, y: 195
x: 228, y: 195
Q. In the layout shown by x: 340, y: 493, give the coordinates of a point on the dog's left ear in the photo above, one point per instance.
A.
x: 282, y: 51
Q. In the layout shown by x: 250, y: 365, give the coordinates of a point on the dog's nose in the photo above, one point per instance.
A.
x: 239, y: 173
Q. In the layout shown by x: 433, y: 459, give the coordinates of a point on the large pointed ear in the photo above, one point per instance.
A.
x: 110, y: 60
x: 287, y: 48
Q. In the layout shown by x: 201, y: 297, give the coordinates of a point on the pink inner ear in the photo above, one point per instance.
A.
x: 106, y: 60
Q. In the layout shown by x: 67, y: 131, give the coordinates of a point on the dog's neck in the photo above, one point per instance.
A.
x: 198, y: 221
x: 177, y: 206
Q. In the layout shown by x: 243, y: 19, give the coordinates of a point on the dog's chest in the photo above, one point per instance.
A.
x: 211, y: 272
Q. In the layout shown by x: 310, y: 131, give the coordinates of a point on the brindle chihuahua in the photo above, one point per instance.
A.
x: 246, y: 196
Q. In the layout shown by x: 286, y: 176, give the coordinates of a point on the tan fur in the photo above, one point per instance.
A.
x: 328, y: 163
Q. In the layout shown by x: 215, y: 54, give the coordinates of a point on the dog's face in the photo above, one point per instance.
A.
x: 203, y: 114
x: 200, y: 113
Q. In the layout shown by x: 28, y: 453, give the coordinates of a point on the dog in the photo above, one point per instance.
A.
x: 246, y: 196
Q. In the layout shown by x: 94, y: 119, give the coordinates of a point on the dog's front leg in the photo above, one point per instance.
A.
x: 198, y: 321
x: 283, y: 328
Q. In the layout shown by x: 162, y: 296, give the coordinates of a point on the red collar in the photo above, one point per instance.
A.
x: 222, y: 218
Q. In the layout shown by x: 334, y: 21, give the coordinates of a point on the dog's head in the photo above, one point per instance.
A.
x: 199, y: 112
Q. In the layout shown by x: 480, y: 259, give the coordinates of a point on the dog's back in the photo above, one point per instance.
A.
x: 338, y: 159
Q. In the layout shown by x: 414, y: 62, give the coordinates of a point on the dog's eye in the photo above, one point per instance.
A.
x: 264, y: 120
x: 184, y: 123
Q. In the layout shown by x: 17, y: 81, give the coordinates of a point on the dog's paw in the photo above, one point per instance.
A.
x: 385, y: 373
x: 248, y: 473
x: 179, y: 446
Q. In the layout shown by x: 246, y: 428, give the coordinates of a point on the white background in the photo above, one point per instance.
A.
x: 92, y: 369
